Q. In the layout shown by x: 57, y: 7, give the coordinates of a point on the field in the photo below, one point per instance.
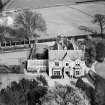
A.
x: 65, y: 20
x: 14, y: 4
x: 63, y: 16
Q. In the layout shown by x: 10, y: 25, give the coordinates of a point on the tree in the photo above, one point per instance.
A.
x: 35, y: 94
x: 30, y: 22
x: 23, y: 92
x: 100, y: 52
x: 42, y: 79
x: 90, y: 52
x: 96, y: 94
x: 2, y: 33
x: 98, y: 19
x: 65, y: 95
x: 5, y: 31
x: 3, y: 4
x: 18, y: 34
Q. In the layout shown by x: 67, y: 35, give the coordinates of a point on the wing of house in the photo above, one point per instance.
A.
x: 56, y: 54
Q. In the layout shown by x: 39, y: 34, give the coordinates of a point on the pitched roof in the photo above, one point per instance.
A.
x: 65, y: 54
x: 74, y: 54
x: 56, y: 54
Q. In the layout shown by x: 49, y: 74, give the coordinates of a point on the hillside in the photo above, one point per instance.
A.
x: 65, y: 20
x: 64, y: 16
x: 14, y: 4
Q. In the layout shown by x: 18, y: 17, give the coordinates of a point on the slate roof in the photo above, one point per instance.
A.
x: 64, y: 54
x: 56, y: 54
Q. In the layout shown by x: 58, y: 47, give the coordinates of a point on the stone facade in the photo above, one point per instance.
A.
x: 66, y: 61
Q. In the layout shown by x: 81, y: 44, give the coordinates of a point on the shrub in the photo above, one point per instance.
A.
x: 42, y: 79
x: 100, y: 51
x: 56, y: 77
x: 26, y: 91
x: 90, y: 53
x: 64, y: 95
x: 15, y: 69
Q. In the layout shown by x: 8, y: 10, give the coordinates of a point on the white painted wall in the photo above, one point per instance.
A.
x: 52, y: 65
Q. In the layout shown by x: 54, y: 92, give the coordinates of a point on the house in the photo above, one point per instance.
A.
x: 79, y: 68
x: 55, y: 62
x: 66, y: 61
x: 68, y: 67
x: 72, y: 63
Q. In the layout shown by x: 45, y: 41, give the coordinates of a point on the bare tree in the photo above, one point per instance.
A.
x: 5, y: 31
x: 3, y: 4
x: 30, y: 21
x: 98, y: 19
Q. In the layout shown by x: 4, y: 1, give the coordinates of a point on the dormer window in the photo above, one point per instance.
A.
x: 67, y: 64
x: 56, y: 63
x: 77, y: 73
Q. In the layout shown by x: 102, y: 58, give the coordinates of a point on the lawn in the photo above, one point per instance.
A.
x: 65, y: 20
x: 14, y: 4
x: 63, y: 16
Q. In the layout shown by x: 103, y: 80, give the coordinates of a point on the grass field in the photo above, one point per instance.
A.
x: 66, y: 19
x: 14, y: 4
x: 63, y: 16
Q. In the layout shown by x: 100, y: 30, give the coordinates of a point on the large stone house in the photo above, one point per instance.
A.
x: 55, y: 62
x: 66, y: 61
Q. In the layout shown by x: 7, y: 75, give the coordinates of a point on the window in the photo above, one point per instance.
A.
x: 2, y: 44
x: 57, y: 73
x: 7, y: 44
x: 67, y: 64
x: 77, y: 73
x: 56, y: 63
x: 17, y: 43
